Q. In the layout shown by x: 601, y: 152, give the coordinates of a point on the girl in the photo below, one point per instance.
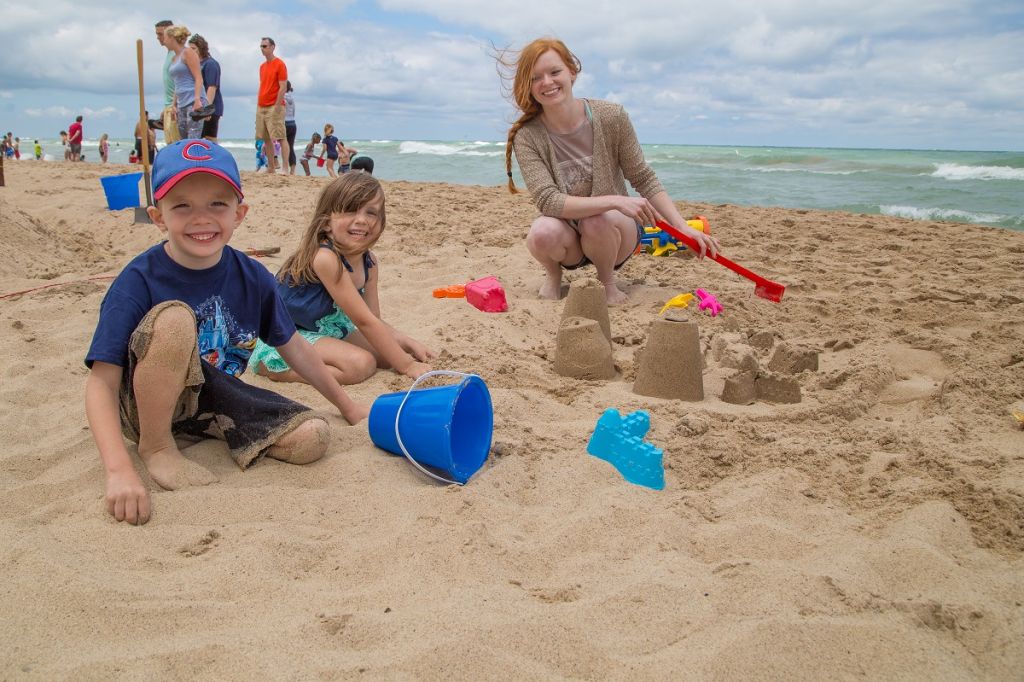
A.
x: 308, y: 154
x: 329, y: 286
x: 330, y: 149
x: 575, y: 155
x: 104, y: 148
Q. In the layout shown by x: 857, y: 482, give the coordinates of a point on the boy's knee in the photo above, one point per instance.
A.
x: 174, y: 330
x: 304, y: 444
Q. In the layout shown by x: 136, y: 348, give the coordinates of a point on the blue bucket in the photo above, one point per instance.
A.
x: 445, y: 427
x: 122, y: 190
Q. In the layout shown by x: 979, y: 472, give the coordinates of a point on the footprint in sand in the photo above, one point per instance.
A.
x: 919, y: 374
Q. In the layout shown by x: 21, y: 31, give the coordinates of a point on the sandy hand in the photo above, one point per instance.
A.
x: 171, y: 470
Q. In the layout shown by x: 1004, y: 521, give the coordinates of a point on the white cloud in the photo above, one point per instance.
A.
x: 859, y: 71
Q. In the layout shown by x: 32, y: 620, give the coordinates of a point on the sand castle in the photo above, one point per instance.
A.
x: 587, y: 299
x: 671, y: 364
x: 582, y: 351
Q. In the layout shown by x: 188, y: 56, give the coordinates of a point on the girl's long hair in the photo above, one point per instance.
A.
x: 516, y: 71
x: 346, y: 194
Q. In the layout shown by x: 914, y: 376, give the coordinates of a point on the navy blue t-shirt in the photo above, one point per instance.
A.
x: 210, y: 68
x: 235, y: 302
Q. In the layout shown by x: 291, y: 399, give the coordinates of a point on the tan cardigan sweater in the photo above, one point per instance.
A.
x: 617, y: 157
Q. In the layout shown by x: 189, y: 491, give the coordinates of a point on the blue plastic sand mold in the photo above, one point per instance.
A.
x: 619, y: 441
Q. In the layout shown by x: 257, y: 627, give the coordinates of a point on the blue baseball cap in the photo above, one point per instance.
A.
x: 185, y: 157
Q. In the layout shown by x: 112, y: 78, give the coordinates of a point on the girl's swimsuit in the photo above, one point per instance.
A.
x: 304, y: 297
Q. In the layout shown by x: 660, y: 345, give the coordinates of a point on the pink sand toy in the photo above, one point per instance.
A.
x: 487, y: 295
x: 708, y: 302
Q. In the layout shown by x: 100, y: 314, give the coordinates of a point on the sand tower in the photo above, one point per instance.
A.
x: 587, y: 299
x: 582, y: 351
x: 671, y: 364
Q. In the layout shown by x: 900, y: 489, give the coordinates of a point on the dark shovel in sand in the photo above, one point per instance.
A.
x: 765, y: 288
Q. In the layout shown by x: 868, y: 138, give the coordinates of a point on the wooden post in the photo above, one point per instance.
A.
x: 141, y: 216
x: 1, y: 170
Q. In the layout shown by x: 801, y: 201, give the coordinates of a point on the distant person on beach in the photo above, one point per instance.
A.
x: 189, y: 95
x: 17, y: 148
x: 176, y: 330
x: 104, y: 148
x: 270, y: 103
x: 575, y: 155
x: 310, y: 152
x: 330, y: 148
x: 290, y: 127
x: 210, y: 69
x: 75, y: 136
x: 64, y: 143
x: 38, y: 149
x: 7, y: 145
x: 363, y: 163
x: 167, y: 121
x: 329, y: 285
x: 345, y: 156
x: 150, y: 137
x: 261, y: 158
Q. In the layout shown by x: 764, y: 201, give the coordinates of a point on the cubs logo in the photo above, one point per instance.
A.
x: 186, y: 151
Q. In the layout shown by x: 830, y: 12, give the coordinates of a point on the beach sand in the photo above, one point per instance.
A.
x: 874, y: 529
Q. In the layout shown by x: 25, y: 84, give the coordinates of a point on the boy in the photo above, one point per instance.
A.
x: 175, y: 331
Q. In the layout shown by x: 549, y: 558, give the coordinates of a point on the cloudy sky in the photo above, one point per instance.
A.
x: 946, y: 74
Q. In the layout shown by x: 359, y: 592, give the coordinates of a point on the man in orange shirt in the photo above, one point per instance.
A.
x: 270, y: 103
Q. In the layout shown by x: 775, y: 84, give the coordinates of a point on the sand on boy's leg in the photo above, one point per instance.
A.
x: 159, y: 381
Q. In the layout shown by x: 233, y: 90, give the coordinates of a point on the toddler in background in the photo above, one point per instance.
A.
x: 309, y: 153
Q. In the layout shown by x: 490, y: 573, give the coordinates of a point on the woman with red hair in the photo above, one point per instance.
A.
x: 575, y: 156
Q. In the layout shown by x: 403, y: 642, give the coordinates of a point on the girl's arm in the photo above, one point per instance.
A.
x: 301, y: 357
x: 192, y: 62
x: 339, y: 284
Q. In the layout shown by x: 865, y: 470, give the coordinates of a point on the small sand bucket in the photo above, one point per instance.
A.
x: 445, y: 427
x: 122, y: 190
x: 320, y: 162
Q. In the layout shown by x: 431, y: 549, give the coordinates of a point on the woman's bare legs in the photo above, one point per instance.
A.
x: 607, y: 239
x: 553, y: 244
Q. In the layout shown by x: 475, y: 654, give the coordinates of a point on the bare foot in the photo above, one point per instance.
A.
x: 614, y: 295
x: 306, y: 443
x: 172, y: 471
x: 551, y: 289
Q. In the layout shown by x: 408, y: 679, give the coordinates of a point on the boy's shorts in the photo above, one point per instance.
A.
x: 213, y: 404
x: 270, y: 123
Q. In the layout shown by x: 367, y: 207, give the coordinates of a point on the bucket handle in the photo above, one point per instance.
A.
x: 435, y: 372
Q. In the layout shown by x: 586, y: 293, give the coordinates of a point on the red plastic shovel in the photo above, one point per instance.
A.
x: 765, y: 288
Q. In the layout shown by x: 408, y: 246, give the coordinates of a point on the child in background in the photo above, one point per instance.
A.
x: 345, y: 155
x: 64, y: 143
x: 261, y: 158
x: 38, y: 149
x: 175, y: 332
x: 330, y: 149
x: 308, y: 154
x: 329, y: 286
x: 104, y: 148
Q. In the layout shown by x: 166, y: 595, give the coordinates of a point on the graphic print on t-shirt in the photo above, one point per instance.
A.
x: 221, y: 342
x: 578, y: 174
